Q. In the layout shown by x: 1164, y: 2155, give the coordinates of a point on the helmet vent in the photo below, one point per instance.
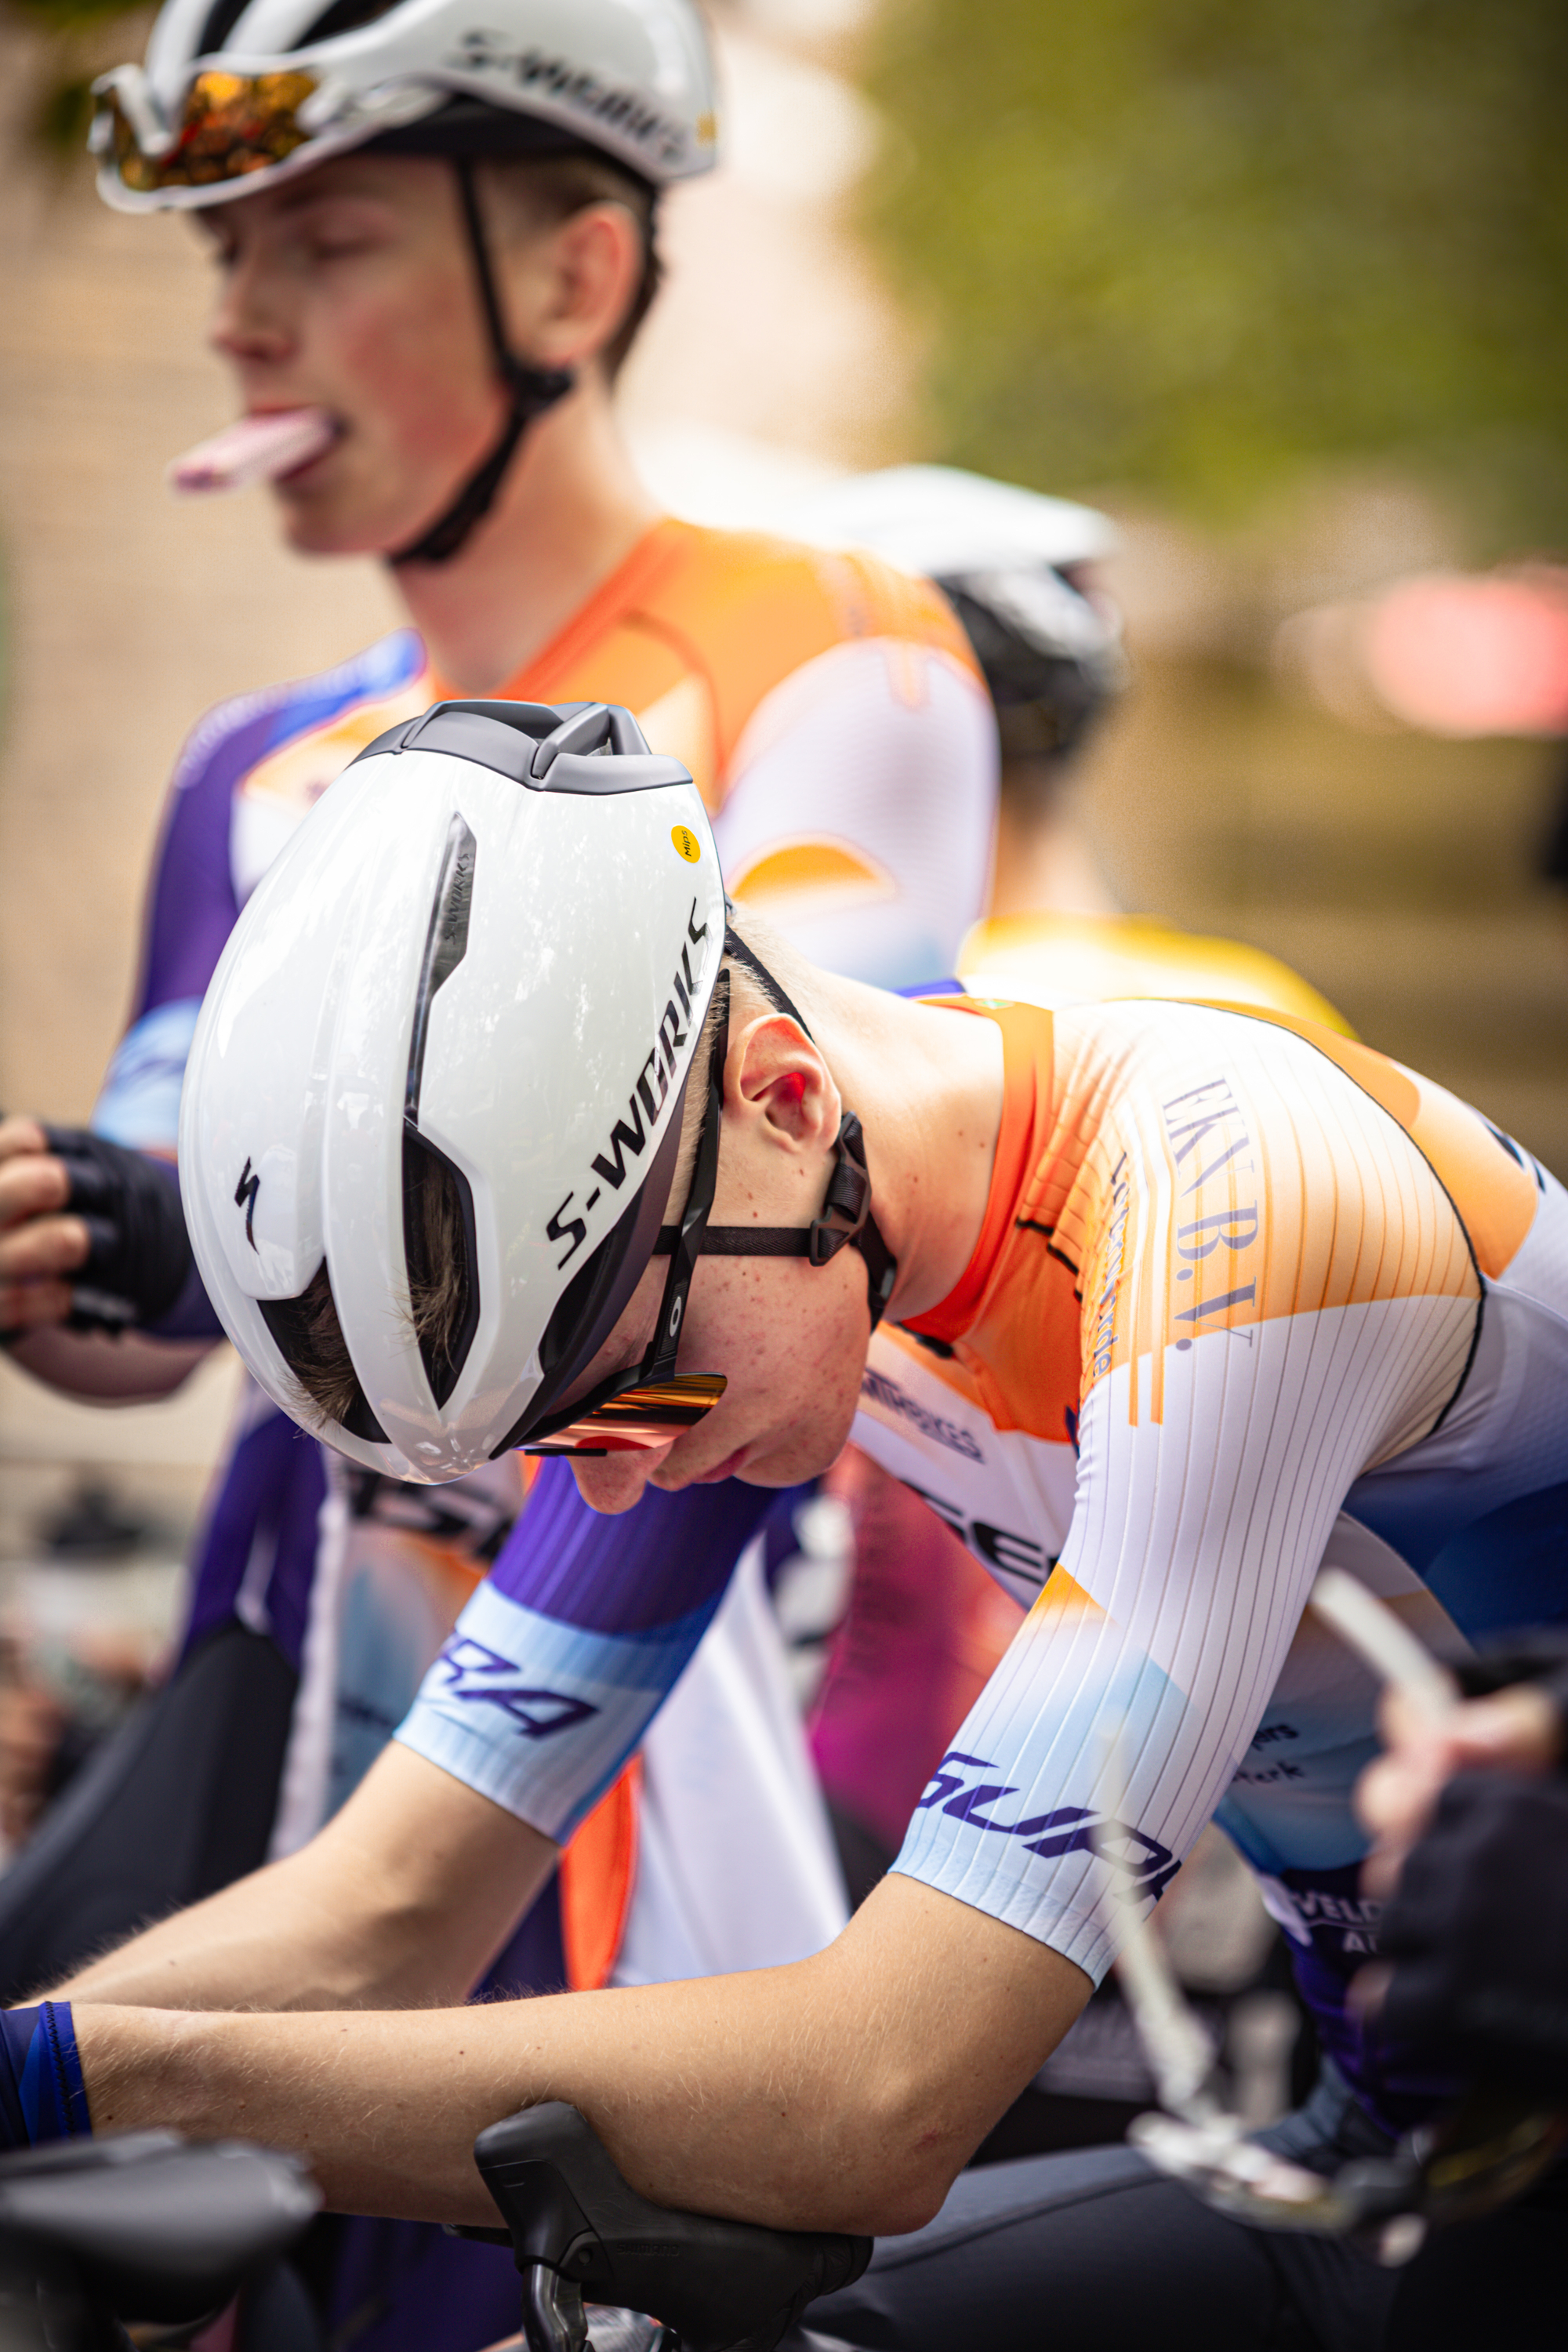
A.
x: 343, y: 16
x: 441, y: 1252
x: 309, y: 1336
x: 444, y: 947
x: 222, y: 18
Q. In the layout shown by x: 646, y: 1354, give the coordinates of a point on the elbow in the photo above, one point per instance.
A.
x: 897, y: 2208
x: 907, y: 2153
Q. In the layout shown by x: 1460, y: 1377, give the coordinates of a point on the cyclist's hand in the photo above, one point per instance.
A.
x: 40, y: 1245
x: 1517, y: 1730
x: 31, y: 1722
x: 1474, y: 1944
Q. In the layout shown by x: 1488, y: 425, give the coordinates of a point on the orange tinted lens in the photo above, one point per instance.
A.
x: 638, y: 1418
x: 232, y: 124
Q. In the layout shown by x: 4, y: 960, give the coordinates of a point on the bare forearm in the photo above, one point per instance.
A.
x: 131, y: 1370
x: 266, y: 1943
x: 838, y: 2093
x: 402, y: 1901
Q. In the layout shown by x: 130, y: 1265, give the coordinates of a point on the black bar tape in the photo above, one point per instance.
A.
x: 140, y: 1255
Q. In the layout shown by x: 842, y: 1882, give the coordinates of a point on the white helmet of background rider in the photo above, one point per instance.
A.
x: 238, y: 93
x: 482, y: 962
x: 1019, y: 569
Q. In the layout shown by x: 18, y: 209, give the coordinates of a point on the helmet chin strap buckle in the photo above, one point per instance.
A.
x: 849, y: 1197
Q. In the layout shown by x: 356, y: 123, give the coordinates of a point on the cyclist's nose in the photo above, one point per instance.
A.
x: 614, y: 1482
x: 247, y: 321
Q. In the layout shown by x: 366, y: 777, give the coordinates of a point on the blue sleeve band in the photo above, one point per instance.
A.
x: 568, y: 1649
x: 42, y: 2095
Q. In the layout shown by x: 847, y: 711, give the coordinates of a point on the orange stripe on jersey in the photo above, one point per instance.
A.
x: 784, y: 879
x: 1495, y: 1195
x: 1062, y: 1596
x: 1026, y: 1049
x: 598, y: 1871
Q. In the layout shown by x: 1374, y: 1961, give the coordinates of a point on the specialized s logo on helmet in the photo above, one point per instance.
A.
x: 245, y: 1193
x: 660, y: 1063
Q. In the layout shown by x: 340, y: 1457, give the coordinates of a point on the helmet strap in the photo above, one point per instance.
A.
x: 848, y: 1199
x: 849, y: 1195
x: 529, y: 391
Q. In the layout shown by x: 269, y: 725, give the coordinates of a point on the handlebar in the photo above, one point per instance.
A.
x: 576, y: 2227
x: 145, y: 2227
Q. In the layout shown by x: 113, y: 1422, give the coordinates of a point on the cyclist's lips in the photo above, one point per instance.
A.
x: 298, y: 472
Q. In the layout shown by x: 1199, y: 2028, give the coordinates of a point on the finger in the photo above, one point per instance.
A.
x: 43, y: 1248
x: 21, y: 1134
x: 1367, y: 1988
x: 33, y: 1184
x: 33, y: 1305
x: 1396, y: 1793
x: 1516, y: 1730
x: 1382, y: 1870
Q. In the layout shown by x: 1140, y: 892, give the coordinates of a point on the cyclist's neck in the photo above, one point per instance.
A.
x: 927, y: 1086
x: 571, y: 509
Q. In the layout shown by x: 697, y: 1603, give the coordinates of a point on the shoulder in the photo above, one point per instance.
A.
x: 235, y: 736
x: 754, y: 609
x: 1062, y: 960
x: 846, y: 592
x: 829, y: 595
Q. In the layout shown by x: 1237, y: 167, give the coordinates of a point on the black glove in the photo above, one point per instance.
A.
x: 1477, y: 1932
x: 140, y: 1257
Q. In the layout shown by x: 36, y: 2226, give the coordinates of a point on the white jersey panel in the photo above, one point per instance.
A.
x: 861, y: 808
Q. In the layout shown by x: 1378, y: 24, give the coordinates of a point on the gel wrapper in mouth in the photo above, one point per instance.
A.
x: 257, y: 450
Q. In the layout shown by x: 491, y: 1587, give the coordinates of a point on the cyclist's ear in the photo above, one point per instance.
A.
x: 778, y: 1087
x: 576, y: 278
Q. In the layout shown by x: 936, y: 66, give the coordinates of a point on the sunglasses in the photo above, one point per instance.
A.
x: 230, y: 125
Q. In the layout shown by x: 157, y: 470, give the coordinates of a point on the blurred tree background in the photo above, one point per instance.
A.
x: 81, y: 37
x: 1190, y: 249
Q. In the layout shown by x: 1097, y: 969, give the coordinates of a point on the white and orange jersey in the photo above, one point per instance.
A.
x: 1248, y: 1299
x: 831, y: 713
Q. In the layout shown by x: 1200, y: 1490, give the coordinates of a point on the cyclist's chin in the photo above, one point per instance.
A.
x: 343, y: 517
x: 801, y: 1448
x: 322, y: 526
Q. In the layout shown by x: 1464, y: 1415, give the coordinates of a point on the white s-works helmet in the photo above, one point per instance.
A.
x: 479, y: 971
x: 236, y: 93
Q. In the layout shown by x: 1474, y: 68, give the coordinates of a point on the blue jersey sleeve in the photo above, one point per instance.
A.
x: 574, y: 1641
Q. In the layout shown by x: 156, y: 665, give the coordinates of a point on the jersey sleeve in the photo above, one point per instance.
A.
x: 574, y: 1641
x: 193, y: 901
x: 860, y: 809
x: 1275, y: 1294
x: 191, y: 909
